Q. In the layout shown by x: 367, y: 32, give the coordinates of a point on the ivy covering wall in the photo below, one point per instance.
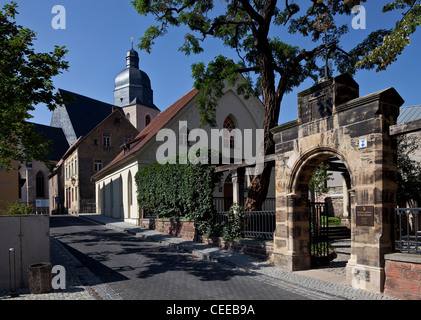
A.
x: 178, y: 191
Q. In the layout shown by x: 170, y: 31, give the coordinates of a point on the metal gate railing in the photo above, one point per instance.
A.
x: 257, y: 224
x: 319, y: 233
x: 409, y: 234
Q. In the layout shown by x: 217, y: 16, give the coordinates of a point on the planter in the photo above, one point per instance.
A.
x: 40, y: 278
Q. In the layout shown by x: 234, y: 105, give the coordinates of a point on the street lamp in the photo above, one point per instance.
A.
x: 73, y: 181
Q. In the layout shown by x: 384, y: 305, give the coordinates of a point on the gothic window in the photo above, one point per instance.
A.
x: 40, y: 185
x: 147, y: 120
x: 229, y: 137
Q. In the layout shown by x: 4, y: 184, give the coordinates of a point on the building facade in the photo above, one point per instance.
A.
x: 115, y: 185
x: 85, y: 157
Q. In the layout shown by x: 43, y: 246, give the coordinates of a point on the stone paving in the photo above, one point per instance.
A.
x: 81, y: 283
x: 84, y: 285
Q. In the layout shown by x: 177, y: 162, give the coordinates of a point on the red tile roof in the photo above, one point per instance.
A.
x: 152, y: 129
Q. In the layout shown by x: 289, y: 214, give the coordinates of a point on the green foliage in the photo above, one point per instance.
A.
x: 398, y: 38
x: 178, y: 191
x: 319, y: 179
x: 26, y: 80
x: 233, y: 227
x: 268, y: 63
x: 17, y: 209
x: 409, y: 171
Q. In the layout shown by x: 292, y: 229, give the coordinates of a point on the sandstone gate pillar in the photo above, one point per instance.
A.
x: 335, y: 123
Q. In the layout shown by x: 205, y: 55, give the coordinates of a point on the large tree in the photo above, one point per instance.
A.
x: 25, y: 81
x: 271, y: 65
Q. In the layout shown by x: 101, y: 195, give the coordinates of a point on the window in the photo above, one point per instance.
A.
x: 40, y: 185
x: 229, y: 139
x: 97, y: 165
x: 184, y: 134
x: 147, y: 119
x: 127, y: 139
x: 95, y: 142
x: 106, y: 139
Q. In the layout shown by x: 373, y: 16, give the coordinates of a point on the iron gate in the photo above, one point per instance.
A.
x: 319, y: 234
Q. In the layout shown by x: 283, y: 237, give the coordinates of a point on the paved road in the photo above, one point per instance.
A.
x: 139, y: 269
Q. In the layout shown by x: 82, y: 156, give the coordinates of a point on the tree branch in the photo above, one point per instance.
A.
x: 253, y: 13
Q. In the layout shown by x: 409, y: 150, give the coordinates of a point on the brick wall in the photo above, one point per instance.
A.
x: 178, y: 228
x: 403, y: 276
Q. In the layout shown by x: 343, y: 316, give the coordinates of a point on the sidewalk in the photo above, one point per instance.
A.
x: 317, y: 283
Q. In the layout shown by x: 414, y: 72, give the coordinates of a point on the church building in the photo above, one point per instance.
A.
x: 115, y: 186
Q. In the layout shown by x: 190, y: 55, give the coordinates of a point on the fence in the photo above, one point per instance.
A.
x: 257, y: 224
x: 409, y: 234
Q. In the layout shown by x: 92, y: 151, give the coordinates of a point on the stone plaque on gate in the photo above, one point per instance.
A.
x: 365, y: 216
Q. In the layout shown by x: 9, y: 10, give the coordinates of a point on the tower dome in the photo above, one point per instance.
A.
x: 133, y: 84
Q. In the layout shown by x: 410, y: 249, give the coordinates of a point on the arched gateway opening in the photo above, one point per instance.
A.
x: 335, y: 123
x: 317, y: 235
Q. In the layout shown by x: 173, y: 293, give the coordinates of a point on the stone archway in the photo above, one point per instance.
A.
x: 298, y: 200
x: 334, y: 121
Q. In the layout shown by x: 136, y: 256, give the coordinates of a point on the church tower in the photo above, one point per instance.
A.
x: 133, y: 93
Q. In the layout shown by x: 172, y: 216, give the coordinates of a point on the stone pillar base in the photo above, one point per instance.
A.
x: 291, y: 262
x: 365, y: 277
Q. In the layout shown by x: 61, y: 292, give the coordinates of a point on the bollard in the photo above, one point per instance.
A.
x: 13, y: 289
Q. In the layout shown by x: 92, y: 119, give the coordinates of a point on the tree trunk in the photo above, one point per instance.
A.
x: 260, y: 184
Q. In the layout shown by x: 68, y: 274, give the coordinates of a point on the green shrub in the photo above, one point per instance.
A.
x: 232, y: 229
x: 178, y: 191
x: 17, y: 209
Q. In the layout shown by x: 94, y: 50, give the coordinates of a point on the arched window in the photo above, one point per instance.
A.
x: 229, y: 138
x: 147, y: 120
x: 184, y: 137
x: 40, y: 185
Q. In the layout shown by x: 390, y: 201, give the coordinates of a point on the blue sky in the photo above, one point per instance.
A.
x: 98, y: 35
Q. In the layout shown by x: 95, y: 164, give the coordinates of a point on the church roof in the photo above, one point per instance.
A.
x: 152, y: 129
x: 408, y: 114
x: 85, y: 113
x: 56, y: 135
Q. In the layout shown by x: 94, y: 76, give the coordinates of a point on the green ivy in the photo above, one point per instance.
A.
x: 178, y: 191
x: 233, y: 227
